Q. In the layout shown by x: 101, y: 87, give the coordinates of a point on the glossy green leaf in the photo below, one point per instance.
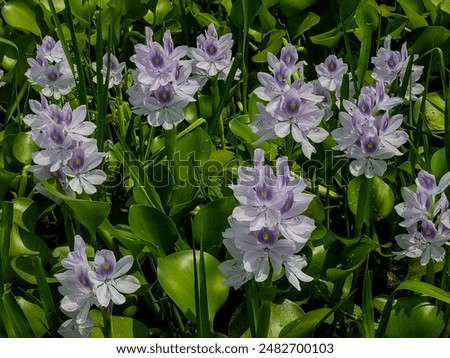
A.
x: 425, y: 289
x: 377, y: 200
x: 88, y: 213
x: 23, y: 267
x: 289, y: 7
x: 176, y: 276
x: 414, y: 317
x: 16, y: 317
x: 413, y: 10
x: 273, y: 46
x: 367, y: 316
x: 26, y: 213
x: 243, y: 8
x: 23, y: 147
x: 6, y: 178
x: 21, y: 14
x: 434, y: 112
x: 122, y: 327
x: 304, y: 326
x: 211, y: 221
x: 300, y: 23
x: 34, y: 314
x: 367, y: 17
x: 438, y: 164
x: 26, y: 243
x: 153, y: 227
x: 329, y: 39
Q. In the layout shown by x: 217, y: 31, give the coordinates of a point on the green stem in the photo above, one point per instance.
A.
x: 170, y: 144
x: 267, y: 294
x: 430, y: 272
x: 251, y: 300
x: 107, y: 321
x: 23, y: 182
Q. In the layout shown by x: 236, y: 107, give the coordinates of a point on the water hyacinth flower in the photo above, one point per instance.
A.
x: 115, y: 70
x: 368, y: 133
x: 50, y: 69
x: 67, y: 153
x: 212, y: 56
x: 331, y: 73
x: 85, y: 284
x: 391, y: 65
x: 267, y: 229
x: 162, y: 84
x: 426, y: 218
x: 294, y: 108
x: 110, y: 279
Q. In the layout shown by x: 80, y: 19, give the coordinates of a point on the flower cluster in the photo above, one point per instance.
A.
x: 86, y: 284
x: 294, y: 106
x: 162, y: 87
x: 267, y: 228
x: 426, y: 217
x: 66, y: 152
x: 50, y: 69
x: 115, y: 70
x: 391, y: 65
x: 368, y: 133
x: 212, y: 56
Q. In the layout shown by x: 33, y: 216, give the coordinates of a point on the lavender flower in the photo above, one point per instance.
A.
x: 369, y: 135
x: 84, y: 287
x: 115, y: 70
x: 212, y: 56
x: 426, y: 217
x: 50, y: 69
x: 162, y: 87
x: 331, y: 72
x: 391, y: 65
x: 66, y: 152
x: 294, y: 108
x: 110, y: 280
x: 267, y: 228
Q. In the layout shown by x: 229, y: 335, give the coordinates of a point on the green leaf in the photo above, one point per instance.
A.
x: 26, y: 243
x: 273, y: 46
x: 438, y: 164
x: 197, y: 146
x: 244, y: 12
x: 211, y: 221
x: 23, y: 147
x: 34, y: 314
x: 298, y: 24
x: 413, y: 10
x: 289, y: 7
x: 16, y: 317
x: 26, y: 213
x: 414, y: 317
x: 88, y: 213
x: 304, y: 326
x: 153, y: 227
x: 23, y: 267
x: 5, y: 181
x: 377, y: 199
x: 21, y: 14
x: 367, y: 17
x: 329, y: 38
x: 425, y: 289
x: 268, y: 21
x: 122, y: 327
x: 176, y: 276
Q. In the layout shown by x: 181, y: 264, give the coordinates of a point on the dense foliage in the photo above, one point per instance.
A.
x: 224, y: 168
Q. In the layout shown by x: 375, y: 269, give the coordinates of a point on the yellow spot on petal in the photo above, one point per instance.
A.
x: 107, y: 267
x: 293, y: 105
x: 264, y: 193
x: 266, y: 236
